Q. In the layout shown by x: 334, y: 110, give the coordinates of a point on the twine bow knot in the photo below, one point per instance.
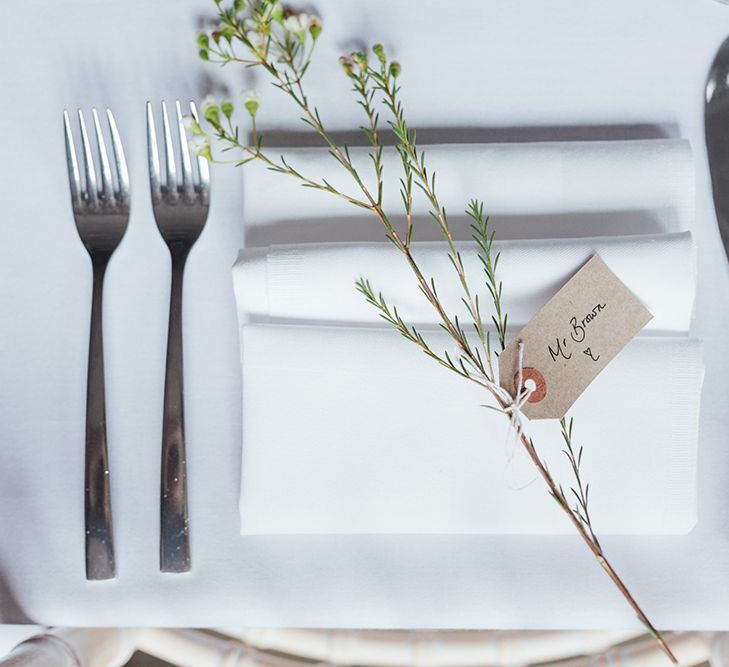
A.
x: 513, y: 405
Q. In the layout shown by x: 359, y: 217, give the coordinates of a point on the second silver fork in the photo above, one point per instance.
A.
x: 181, y: 209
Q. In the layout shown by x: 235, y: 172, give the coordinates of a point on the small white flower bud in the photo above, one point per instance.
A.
x: 297, y: 23
x: 315, y: 27
x: 209, y: 102
x: 199, y: 143
x: 251, y: 101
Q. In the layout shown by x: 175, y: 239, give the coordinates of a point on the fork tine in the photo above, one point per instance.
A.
x: 107, y: 186
x: 92, y: 195
x: 153, y: 157
x: 202, y: 166
x: 187, y: 185
x: 122, y: 173
x: 170, y: 167
x: 74, y: 178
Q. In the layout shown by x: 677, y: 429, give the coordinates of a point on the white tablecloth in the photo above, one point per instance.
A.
x: 638, y: 67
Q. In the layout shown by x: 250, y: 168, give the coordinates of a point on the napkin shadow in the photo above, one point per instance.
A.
x: 284, y: 138
x: 573, y: 224
x: 363, y: 228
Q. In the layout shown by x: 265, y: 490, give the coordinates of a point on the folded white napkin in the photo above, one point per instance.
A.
x: 356, y: 431
x: 511, y: 178
x: 316, y: 282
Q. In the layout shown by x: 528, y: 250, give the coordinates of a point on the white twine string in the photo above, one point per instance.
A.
x: 523, y: 392
x: 513, y: 405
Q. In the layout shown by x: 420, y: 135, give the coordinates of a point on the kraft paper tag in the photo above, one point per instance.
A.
x: 571, y: 339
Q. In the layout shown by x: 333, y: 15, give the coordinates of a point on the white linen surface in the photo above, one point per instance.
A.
x: 355, y: 431
x: 607, y: 69
x: 317, y: 281
x: 512, y: 178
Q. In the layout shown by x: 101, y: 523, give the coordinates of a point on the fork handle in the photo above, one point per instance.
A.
x: 174, y: 525
x: 99, y: 534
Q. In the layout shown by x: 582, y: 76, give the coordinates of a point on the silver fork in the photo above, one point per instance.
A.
x: 180, y: 209
x: 101, y: 215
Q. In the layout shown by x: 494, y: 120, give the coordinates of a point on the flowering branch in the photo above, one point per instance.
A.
x: 281, y: 43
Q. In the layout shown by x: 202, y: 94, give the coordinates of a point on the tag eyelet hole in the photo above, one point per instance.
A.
x: 532, y: 379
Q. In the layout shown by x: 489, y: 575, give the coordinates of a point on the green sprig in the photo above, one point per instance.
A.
x: 580, y: 493
x: 281, y: 43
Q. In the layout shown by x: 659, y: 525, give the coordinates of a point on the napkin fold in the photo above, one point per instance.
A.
x: 316, y: 282
x: 355, y: 431
x: 511, y: 178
